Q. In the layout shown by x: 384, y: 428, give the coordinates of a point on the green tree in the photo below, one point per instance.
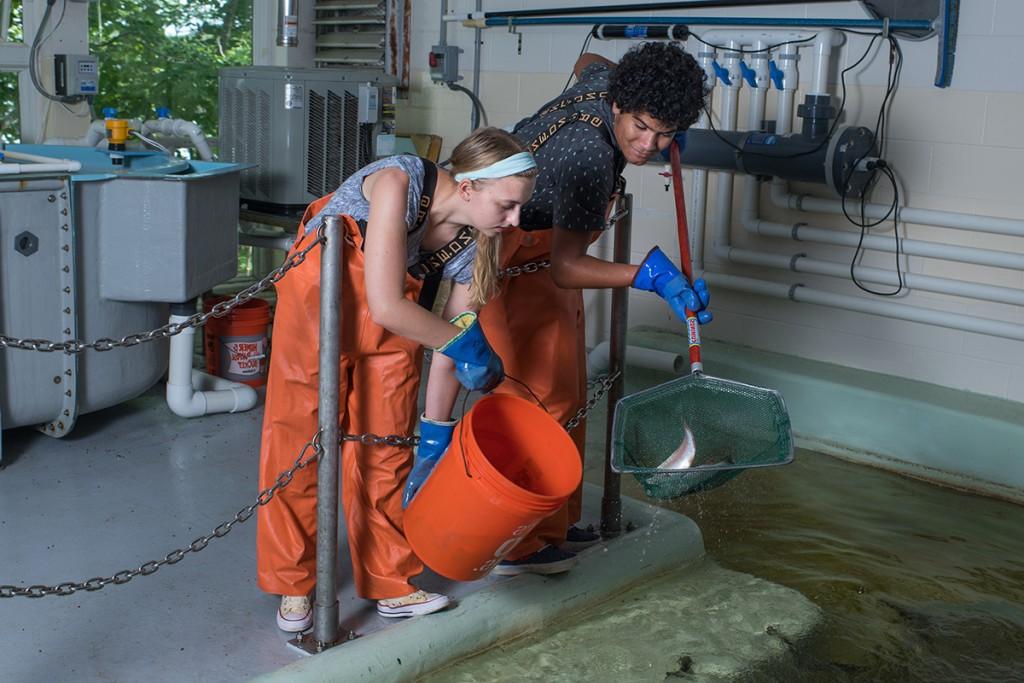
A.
x: 154, y: 53
x: 9, y: 122
x: 166, y: 53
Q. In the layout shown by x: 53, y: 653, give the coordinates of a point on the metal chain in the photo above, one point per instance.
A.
x: 375, y: 440
x: 70, y: 346
x: 175, y: 556
x: 606, y: 382
x: 525, y: 269
x: 542, y: 264
x: 264, y: 497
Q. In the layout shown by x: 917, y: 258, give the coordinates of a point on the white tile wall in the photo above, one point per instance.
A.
x: 956, y: 149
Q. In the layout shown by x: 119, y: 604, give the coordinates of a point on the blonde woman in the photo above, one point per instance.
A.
x: 403, y: 218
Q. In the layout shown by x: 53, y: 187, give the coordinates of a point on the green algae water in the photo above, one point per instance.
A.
x: 913, y: 583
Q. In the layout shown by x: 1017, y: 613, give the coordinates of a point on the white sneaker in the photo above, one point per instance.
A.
x: 295, y: 614
x: 412, y: 605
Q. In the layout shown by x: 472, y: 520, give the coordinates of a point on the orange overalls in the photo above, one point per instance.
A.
x: 380, y: 375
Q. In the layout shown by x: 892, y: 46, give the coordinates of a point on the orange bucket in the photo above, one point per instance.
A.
x: 237, y: 346
x: 509, y: 466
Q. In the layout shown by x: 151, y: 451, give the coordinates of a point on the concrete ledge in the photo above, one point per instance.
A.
x: 949, y: 437
x: 509, y: 608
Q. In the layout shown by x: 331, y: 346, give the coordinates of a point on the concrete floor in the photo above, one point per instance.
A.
x: 129, y: 485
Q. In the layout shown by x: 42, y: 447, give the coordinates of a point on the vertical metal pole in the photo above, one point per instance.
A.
x: 325, y: 626
x: 611, y: 503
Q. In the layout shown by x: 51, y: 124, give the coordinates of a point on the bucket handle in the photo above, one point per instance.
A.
x: 530, y: 391
x: 462, y: 420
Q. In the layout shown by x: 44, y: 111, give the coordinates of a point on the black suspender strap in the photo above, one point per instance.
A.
x: 434, y: 262
x: 592, y: 119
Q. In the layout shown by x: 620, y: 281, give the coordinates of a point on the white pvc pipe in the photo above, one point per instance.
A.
x: 62, y: 167
x: 181, y: 128
x: 191, y: 393
x: 944, y: 219
x: 826, y: 39
x: 888, y: 309
x: 803, y: 232
x: 724, y: 179
x: 598, y: 360
x: 699, y: 197
x: 801, y: 263
x: 22, y: 156
x: 96, y: 134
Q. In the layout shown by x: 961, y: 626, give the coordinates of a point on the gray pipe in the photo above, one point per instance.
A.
x: 288, y: 23
x: 477, y: 42
x: 325, y: 627
x: 611, y: 502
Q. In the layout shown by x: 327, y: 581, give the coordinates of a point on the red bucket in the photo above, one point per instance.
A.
x: 237, y: 346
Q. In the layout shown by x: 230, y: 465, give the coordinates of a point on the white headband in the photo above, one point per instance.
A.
x: 517, y: 163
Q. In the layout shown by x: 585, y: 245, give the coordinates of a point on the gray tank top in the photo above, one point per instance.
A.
x: 348, y: 199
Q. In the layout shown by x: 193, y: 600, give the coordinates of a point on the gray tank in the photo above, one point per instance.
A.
x: 101, y: 253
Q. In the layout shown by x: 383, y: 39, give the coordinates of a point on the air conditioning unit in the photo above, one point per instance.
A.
x: 307, y: 130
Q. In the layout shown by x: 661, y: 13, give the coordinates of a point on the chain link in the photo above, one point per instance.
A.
x: 525, y: 269
x: 606, y: 382
x: 175, y: 556
x: 264, y: 497
x: 220, y: 309
x: 375, y: 440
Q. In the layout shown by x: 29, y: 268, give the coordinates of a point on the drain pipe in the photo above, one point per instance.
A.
x: 599, y: 360
x: 192, y: 393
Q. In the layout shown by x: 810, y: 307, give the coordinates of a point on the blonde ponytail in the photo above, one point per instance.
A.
x: 486, y: 281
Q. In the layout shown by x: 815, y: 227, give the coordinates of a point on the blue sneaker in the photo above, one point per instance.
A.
x: 577, y: 539
x: 547, y: 560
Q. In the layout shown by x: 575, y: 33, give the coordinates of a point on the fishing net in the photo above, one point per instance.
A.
x: 698, y: 432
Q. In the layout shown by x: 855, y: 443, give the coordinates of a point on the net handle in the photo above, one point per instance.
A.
x: 685, y: 259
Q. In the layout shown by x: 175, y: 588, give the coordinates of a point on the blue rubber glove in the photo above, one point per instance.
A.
x: 434, y: 439
x: 658, y: 274
x: 477, y: 367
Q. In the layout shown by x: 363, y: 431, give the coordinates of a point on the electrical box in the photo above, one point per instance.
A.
x: 369, y: 103
x: 307, y: 129
x: 444, y: 63
x: 76, y: 75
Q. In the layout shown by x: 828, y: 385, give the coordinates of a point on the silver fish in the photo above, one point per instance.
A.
x: 682, y: 457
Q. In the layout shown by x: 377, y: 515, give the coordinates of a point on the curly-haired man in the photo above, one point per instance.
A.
x: 613, y: 115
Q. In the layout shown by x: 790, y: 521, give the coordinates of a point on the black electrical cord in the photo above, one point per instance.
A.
x: 751, y: 52
x: 33, y: 58
x: 586, y: 42
x: 879, y: 166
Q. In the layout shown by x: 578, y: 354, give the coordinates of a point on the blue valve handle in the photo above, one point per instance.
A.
x: 776, y: 74
x: 721, y: 72
x: 749, y: 75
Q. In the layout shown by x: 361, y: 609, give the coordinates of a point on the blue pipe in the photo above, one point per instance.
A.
x: 895, y: 25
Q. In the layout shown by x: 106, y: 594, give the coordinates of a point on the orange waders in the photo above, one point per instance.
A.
x: 380, y: 374
x: 537, y: 329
